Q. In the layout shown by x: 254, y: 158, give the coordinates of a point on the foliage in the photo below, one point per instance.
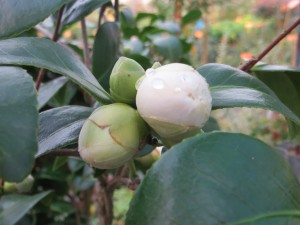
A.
x: 210, y: 178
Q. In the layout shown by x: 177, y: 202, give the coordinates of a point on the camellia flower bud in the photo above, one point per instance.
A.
x: 111, y: 136
x: 123, y: 78
x: 147, y: 160
x: 174, y: 100
x: 22, y: 187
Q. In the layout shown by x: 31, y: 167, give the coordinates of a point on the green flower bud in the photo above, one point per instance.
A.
x: 147, y: 160
x: 111, y: 136
x: 156, y: 65
x: 22, y: 187
x: 174, y: 100
x: 123, y: 78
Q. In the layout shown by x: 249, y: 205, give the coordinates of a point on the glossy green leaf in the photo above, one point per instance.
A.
x: 49, y: 89
x: 59, y: 162
x: 142, y: 60
x: 127, y: 18
x: 285, y: 82
x: 231, y: 87
x: 216, y: 178
x: 151, y: 16
x: 52, y: 56
x: 17, y: 16
x: 60, y: 127
x: 220, y: 75
x: 79, y: 9
x: 64, y: 95
x: 133, y: 46
x: 279, y: 214
x: 169, y: 47
x: 211, y: 125
x: 18, y: 123
x: 106, y: 51
x: 244, y: 97
x: 191, y: 16
x: 14, y: 207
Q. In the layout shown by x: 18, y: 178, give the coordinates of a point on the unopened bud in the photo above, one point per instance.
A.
x: 123, y: 78
x: 111, y: 136
x: 174, y: 100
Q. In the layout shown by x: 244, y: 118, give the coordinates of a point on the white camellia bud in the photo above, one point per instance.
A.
x: 174, y: 100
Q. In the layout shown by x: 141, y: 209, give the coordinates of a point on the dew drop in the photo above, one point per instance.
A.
x: 185, y: 78
x: 158, y: 84
x: 150, y: 72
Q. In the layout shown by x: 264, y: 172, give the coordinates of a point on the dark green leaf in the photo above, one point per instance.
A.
x: 53, y: 175
x: 243, y: 97
x: 17, y: 16
x: 142, y: 60
x: 18, y: 123
x: 285, y: 82
x: 49, y: 89
x: 59, y: 162
x: 151, y: 16
x: 191, y: 16
x: 14, y: 207
x: 133, y: 46
x: 231, y: 87
x: 50, y: 55
x: 145, y: 150
x: 79, y: 9
x: 216, y: 178
x: 75, y: 164
x: 220, y: 75
x: 105, y: 52
x: 62, y: 207
x: 279, y: 214
x: 169, y: 47
x: 127, y: 18
x: 60, y: 127
x: 169, y: 26
x: 64, y: 95
x: 211, y: 125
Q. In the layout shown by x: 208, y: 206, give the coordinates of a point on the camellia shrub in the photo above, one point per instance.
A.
x: 73, y: 133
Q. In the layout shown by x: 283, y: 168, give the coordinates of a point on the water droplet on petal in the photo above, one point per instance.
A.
x: 158, y: 84
x: 185, y: 78
x: 150, y: 72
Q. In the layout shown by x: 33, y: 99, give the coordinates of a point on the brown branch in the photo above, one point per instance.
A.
x: 63, y: 152
x: 101, y: 14
x: 54, y: 38
x: 249, y: 64
x: 86, y: 50
x: 76, y: 204
x: 116, y: 7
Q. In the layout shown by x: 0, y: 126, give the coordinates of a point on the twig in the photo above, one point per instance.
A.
x: 101, y: 14
x: 249, y: 64
x: 63, y: 152
x: 54, y: 38
x: 76, y: 207
x: 86, y: 50
x: 116, y: 7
